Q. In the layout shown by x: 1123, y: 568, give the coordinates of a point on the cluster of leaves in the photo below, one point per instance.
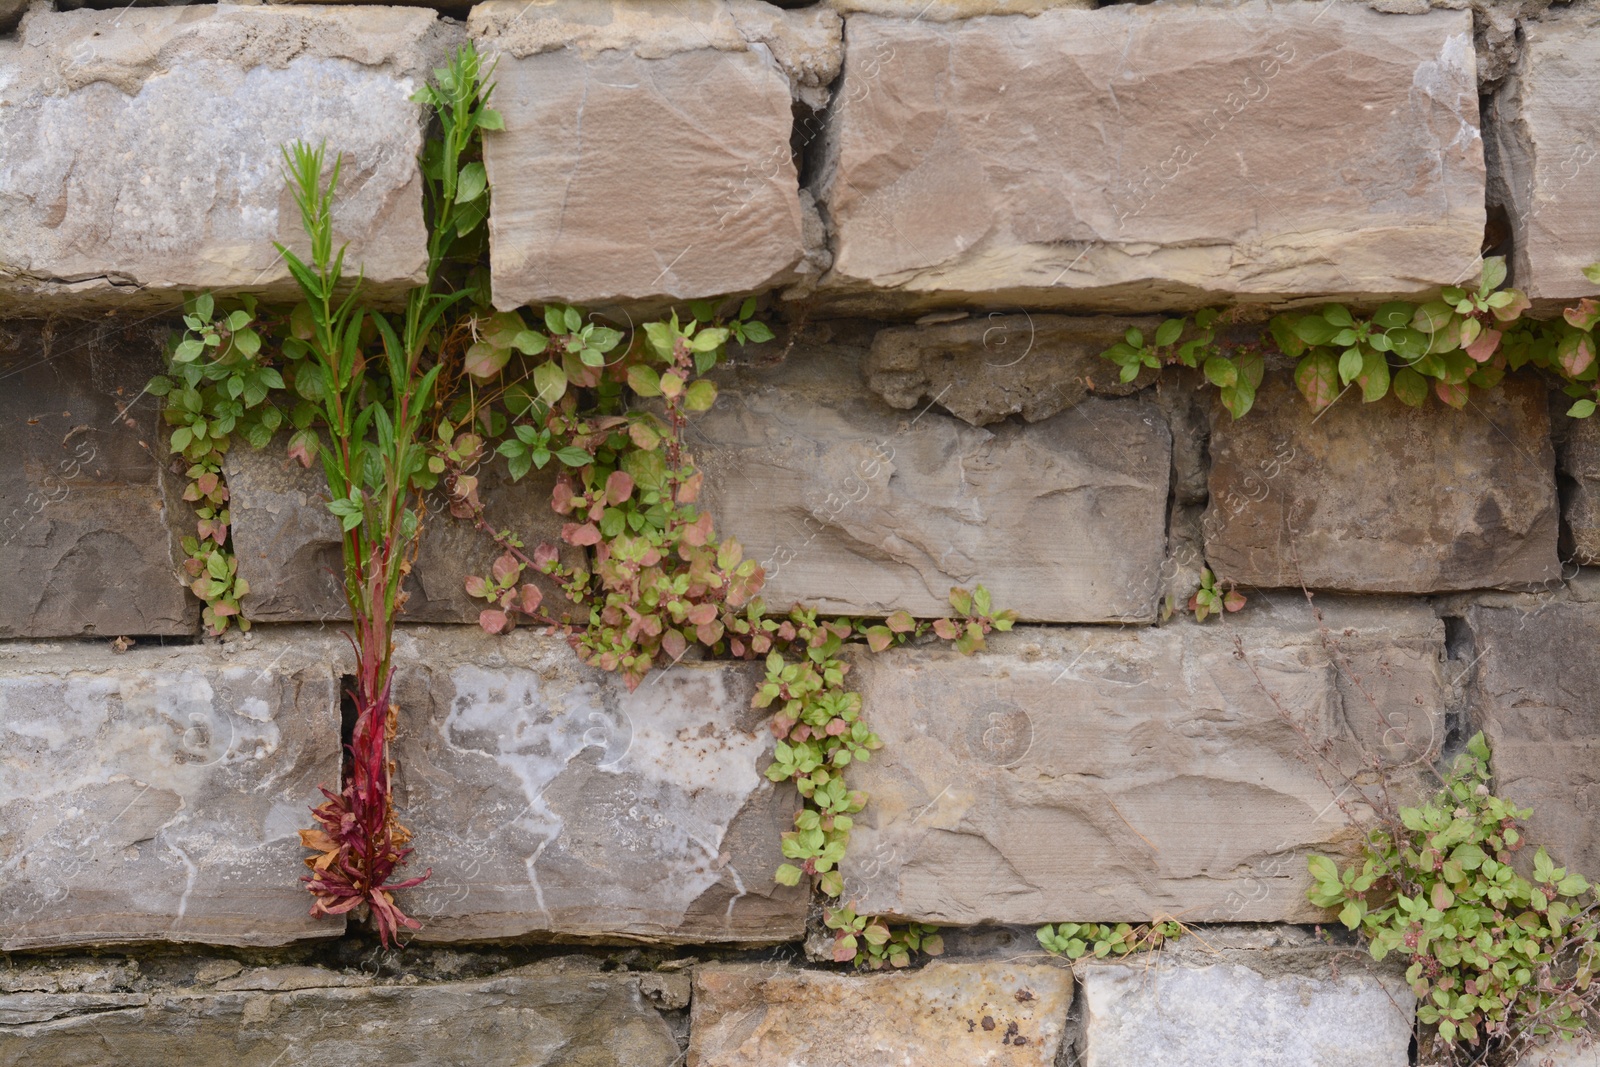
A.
x: 1466, y: 338
x: 1213, y: 599
x: 1493, y: 955
x: 1100, y: 940
x: 871, y: 943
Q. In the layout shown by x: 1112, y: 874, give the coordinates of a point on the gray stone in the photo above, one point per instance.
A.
x: 1532, y: 697
x: 1161, y: 1012
x: 156, y: 794
x: 141, y: 148
x: 288, y: 543
x: 1580, y: 462
x: 1545, y: 128
x: 990, y: 367
x: 1384, y: 498
x: 1136, y: 774
x: 951, y: 10
x: 1559, y: 1053
x: 944, y: 1015
x: 858, y: 509
x: 1133, y: 156
x: 549, y: 800
x: 554, y: 1014
x: 646, y: 151
x: 85, y: 546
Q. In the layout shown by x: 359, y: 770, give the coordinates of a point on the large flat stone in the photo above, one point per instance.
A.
x: 989, y: 367
x: 646, y: 150
x: 549, y: 800
x: 1185, y: 1014
x: 288, y: 543
x: 1532, y: 697
x: 558, y: 1013
x: 1134, y: 156
x: 860, y: 509
x: 1545, y: 127
x: 156, y: 794
x: 141, y: 159
x: 1126, y: 775
x: 1384, y: 498
x: 85, y: 546
x: 944, y: 1015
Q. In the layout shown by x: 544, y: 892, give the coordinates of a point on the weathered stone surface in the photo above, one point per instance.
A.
x: 11, y: 12
x: 861, y: 510
x: 990, y: 367
x: 1580, y: 462
x: 156, y: 794
x: 140, y: 148
x: 945, y: 1015
x: 289, y: 549
x: 558, y: 1013
x: 1533, y: 698
x: 1558, y: 1053
x: 950, y: 10
x: 1165, y: 1012
x: 549, y: 800
x: 646, y: 151
x: 1133, y: 155
x: 1128, y: 775
x: 84, y: 541
x: 1384, y: 498
x: 1545, y: 128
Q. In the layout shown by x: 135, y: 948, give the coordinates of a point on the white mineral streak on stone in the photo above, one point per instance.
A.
x: 157, y: 794
x: 1163, y: 1014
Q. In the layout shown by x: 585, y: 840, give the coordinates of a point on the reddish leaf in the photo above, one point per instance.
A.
x: 1454, y: 395
x: 619, y: 486
x: 701, y: 614
x: 689, y: 491
x: 493, y: 620
x: 506, y: 566
x: 901, y: 622
x: 674, y: 644
x: 879, y: 638
x: 710, y: 633
x: 946, y: 628
x: 545, y: 554
x: 1484, y: 347
x: 561, y: 497
x: 532, y: 597
x: 1317, y: 378
x: 1584, y: 316
x: 587, y: 534
x: 1575, y: 353
x: 476, y: 586
x: 1233, y: 600
x: 698, y: 532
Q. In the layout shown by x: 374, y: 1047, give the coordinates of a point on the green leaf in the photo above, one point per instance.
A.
x: 158, y: 386
x: 1374, y: 377
x: 204, y: 305
x: 188, y: 349
x: 1221, y: 372
x: 488, y: 118
x: 1337, y: 315
x: 757, y: 332
x: 1494, y: 274
x: 1315, y: 330
x: 1410, y: 387
x: 550, y: 380
x: 1169, y: 331
x: 529, y: 342
x: 1582, y: 409
x: 574, y: 456
x: 1350, y: 365
x: 572, y: 320
x: 1317, y: 378
x: 700, y: 395
x: 471, y: 183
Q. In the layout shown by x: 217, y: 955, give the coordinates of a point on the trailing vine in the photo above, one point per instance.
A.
x: 1466, y: 338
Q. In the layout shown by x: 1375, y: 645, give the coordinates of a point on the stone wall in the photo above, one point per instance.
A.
x: 948, y: 209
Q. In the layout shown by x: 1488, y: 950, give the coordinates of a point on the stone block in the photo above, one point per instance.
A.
x: 1545, y: 127
x: 1384, y: 498
x: 859, y: 509
x: 1169, y: 1014
x: 550, y: 801
x: 156, y: 794
x: 141, y: 148
x: 1580, y: 462
x: 1532, y: 697
x: 85, y: 545
x: 1133, y: 156
x: 944, y: 1015
x: 288, y: 543
x: 990, y: 367
x: 1136, y: 774
x: 547, y: 1015
x: 646, y: 151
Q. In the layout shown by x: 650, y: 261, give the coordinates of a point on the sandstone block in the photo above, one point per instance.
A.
x: 551, y: 1014
x: 861, y: 510
x: 1532, y: 700
x: 156, y: 794
x: 944, y: 1015
x: 1580, y: 462
x: 288, y: 543
x: 85, y: 546
x: 1140, y: 1015
x: 1131, y: 775
x: 646, y: 150
x: 1133, y: 156
x: 990, y: 367
x: 141, y: 148
x: 549, y: 800
x: 1384, y: 498
x: 1545, y: 128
